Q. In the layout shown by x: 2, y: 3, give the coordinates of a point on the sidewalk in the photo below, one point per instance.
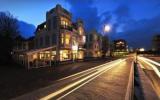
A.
x: 144, y: 90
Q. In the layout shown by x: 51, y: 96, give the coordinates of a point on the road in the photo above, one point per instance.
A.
x: 151, y: 69
x: 107, y: 81
x: 16, y: 81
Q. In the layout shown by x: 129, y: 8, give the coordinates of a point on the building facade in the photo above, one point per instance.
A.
x: 120, y: 47
x: 93, y: 44
x: 57, y: 39
x: 156, y: 43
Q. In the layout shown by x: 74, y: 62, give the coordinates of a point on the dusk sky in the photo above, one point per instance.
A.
x: 136, y: 21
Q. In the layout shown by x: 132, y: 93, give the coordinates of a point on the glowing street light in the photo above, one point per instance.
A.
x: 141, y: 49
x: 107, y: 28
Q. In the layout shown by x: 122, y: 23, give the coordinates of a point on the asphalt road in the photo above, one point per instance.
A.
x: 16, y: 81
x: 107, y: 81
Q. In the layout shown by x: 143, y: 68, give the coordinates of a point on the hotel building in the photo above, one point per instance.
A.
x: 57, y: 39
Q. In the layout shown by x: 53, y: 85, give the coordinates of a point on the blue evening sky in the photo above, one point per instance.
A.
x: 133, y: 20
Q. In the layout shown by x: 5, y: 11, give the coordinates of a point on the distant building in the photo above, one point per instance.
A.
x: 120, y: 47
x: 57, y: 39
x: 156, y: 43
x: 93, y: 44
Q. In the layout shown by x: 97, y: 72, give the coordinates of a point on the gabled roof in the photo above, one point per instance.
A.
x: 40, y: 26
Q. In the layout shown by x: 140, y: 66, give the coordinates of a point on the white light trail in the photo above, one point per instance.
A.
x: 150, y: 63
x: 83, y: 81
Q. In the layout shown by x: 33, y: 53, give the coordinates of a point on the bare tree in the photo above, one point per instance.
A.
x: 8, y: 25
x: 8, y: 31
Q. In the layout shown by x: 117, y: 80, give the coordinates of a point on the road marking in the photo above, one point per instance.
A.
x: 87, y: 70
x: 87, y: 79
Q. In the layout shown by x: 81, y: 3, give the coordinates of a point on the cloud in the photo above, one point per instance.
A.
x: 106, y: 17
x: 140, y: 33
x: 137, y: 32
x: 122, y: 14
x: 85, y: 10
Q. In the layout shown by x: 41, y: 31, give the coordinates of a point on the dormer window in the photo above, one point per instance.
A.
x: 45, y: 26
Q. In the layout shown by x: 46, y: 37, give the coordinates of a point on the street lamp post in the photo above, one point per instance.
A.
x: 107, y: 28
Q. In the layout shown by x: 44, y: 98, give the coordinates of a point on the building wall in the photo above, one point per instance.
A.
x: 120, y: 45
x: 156, y: 43
x: 120, y: 48
x: 56, y: 39
x: 94, y: 44
x: 59, y: 27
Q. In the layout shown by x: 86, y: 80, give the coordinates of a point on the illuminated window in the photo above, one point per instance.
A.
x: 66, y: 23
x: 44, y: 26
x: 67, y: 39
x: 41, y: 56
x: 35, y: 56
x: 64, y: 55
x: 63, y: 22
x: 80, y: 55
x: 80, y: 31
x: 62, y: 39
x: 84, y: 39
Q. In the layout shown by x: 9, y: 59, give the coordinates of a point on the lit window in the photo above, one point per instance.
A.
x: 80, y: 30
x: 63, y: 22
x: 62, y: 39
x: 66, y: 23
x: 84, y: 39
x: 35, y: 56
x: 44, y: 26
x: 67, y: 39
x: 64, y: 55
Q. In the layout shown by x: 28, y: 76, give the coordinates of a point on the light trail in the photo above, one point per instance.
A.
x: 75, y: 85
x: 88, y: 70
x: 151, y: 63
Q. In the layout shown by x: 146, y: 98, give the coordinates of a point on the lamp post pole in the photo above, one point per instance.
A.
x: 109, y: 43
x: 107, y: 28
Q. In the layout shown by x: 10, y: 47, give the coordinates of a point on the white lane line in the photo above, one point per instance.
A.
x: 84, y: 74
x: 87, y: 70
x: 88, y: 78
x: 154, y: 62
x: 147, y: 61
x: 83, y: 84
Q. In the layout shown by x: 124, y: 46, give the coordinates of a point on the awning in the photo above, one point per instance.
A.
x: 40, y: 50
